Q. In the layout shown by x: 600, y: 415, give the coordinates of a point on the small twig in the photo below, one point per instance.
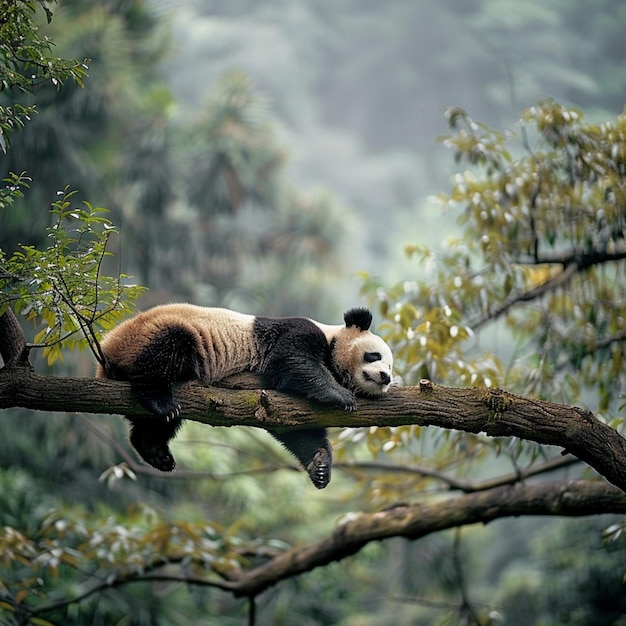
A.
x: 562, y: 278
x: 252, y: 611
x: 466, y: 606
x: 458, y: 484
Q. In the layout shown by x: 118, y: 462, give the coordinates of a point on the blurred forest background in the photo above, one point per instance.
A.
x: 277, y: 157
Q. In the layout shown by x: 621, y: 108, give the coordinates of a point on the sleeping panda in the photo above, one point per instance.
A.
x: 174, y: 343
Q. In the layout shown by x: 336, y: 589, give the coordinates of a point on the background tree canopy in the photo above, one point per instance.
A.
x: 257, y: 156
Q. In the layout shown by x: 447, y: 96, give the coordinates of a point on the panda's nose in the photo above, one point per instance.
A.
x: 385, y: 379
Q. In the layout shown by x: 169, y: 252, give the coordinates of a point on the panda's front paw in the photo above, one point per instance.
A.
x: 336, y: 396
x: 347, y: 400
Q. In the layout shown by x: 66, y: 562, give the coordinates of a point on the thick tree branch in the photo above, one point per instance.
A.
x: 575, y: 498
x: 491, y: 411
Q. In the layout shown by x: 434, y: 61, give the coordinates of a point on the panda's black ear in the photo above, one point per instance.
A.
x: 360, y: 317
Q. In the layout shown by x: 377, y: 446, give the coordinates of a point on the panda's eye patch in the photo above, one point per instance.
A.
x: 371, y: 357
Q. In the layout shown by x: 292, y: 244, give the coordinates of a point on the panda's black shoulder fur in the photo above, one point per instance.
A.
x: 268, y: 331
x: 359, y: 317
x: 300, y: 360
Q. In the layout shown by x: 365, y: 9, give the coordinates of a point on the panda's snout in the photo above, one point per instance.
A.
x: 383, y: 378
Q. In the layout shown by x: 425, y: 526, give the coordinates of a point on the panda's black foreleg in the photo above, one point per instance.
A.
x: 312, y: 448
x: 304, y: 373
x: 326, y: 390
x: 308, y: 376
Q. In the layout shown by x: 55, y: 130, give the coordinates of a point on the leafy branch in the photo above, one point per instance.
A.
x: 203, y: 554
x: 13, y: 188
x: 559, y: 208
x: 541, y: 252
x: 26, y: 60
x: 63, y: 286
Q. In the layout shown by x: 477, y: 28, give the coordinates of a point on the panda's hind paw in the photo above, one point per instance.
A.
x: 162, y: 460
x: 173, y: 414
x: 150, y: 438
x: 164, y: 407
x: 157, y: 397
x: 156, y: 454
x: 319, y: 469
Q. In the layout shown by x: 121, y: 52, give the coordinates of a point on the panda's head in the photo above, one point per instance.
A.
x: 361, y: 359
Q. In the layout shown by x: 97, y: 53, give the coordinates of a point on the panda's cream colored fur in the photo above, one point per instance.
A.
x: 174, y: 343
x: 224, y: 338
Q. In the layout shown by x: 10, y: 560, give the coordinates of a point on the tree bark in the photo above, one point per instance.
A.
x: 12, y: 340
x: 494, y: 412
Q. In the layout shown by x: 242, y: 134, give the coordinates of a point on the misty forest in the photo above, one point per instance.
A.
x: 458, y: 167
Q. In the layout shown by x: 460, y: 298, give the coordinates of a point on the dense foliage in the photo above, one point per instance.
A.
x: 542, y: 237
x: 26, y: 61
